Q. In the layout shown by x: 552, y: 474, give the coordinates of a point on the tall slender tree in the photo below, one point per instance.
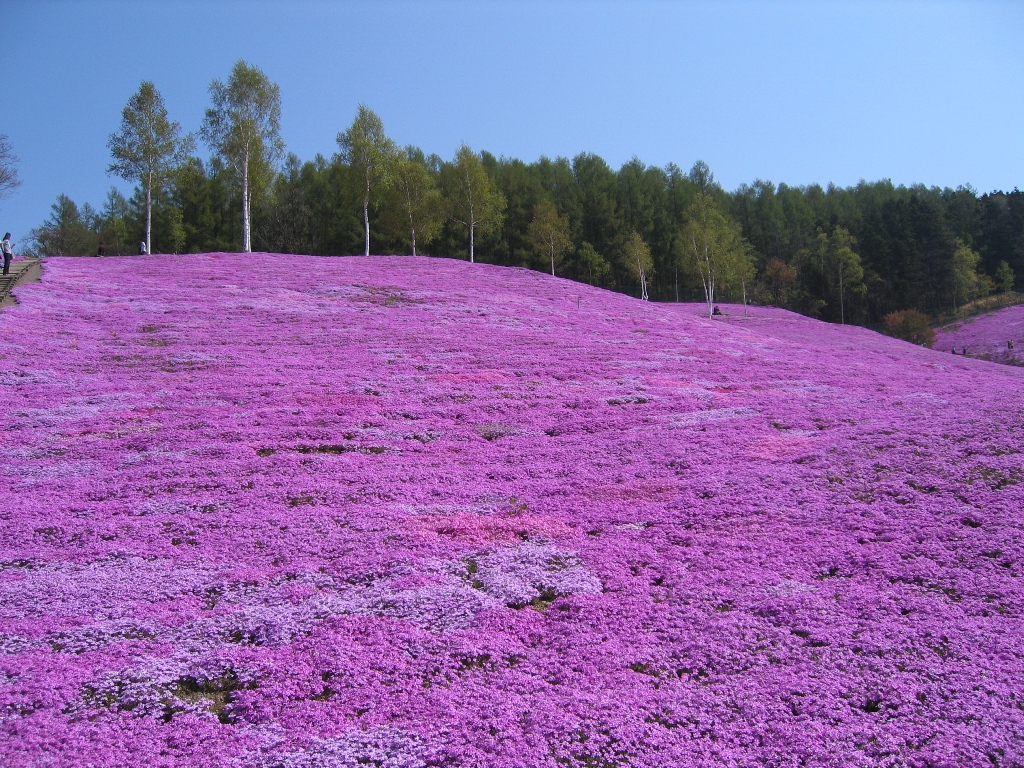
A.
x: 473, y: 200
x: 66, y: 232
x: 964, y: 274
x: 367, y: 150
x: 549, y: 232
x: 844, y: 263
x: 832, y: 258
x: 1004, y: 277
x: 9, y: 180
x: 710, y: 247
x: 593, y: 262
x: 148, y: 146
x: 638, y: 259
x: 415, y: 207
x: 243, y: 127
x: 116, y: 214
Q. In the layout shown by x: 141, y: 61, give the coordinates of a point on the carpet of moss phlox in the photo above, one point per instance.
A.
x: 991, y: 335
x: 262, y: 511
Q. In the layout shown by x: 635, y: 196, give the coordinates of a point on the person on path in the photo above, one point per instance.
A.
x: 8, y: 252
x: 143, y: 250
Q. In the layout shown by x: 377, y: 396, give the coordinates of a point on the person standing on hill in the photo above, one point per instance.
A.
x: 8, y: 252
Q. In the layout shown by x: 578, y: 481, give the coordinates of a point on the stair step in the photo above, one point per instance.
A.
x: 10, y: 281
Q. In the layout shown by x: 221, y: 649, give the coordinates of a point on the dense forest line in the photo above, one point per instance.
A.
x: 852, y: 254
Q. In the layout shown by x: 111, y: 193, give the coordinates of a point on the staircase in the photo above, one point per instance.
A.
x: 18, y: 270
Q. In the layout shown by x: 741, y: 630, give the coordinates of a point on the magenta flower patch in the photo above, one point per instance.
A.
x: 265, y: 511
x: 997, y: 336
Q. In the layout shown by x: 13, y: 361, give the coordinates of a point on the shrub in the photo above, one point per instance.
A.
x: 910, y: 325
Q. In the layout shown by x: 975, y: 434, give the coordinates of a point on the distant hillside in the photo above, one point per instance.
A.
x: 989, y: 336
x: 263, y: 511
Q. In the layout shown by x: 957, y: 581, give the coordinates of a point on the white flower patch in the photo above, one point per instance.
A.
x: 694, y: 418
x: 382, y: 747
x: 529, y: 572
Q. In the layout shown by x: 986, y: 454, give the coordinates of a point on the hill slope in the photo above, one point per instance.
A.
x: 288, y: 511
x: 989, y: 335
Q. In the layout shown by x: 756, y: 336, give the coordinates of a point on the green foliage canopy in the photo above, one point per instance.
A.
x: 367, y: 150
x: 711, y: 248
x: 416, y: 205
x: 549, y: 232
x: 243, y: 128
x: 910, y: 325
x: 1004, y: 277
x: 147, y: 147
x: 473, y: 199
x: 637, y: 256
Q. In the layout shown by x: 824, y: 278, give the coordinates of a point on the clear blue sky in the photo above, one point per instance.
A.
x: 795, y: 92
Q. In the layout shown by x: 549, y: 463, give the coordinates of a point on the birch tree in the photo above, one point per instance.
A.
x: 710, y: 247
x: 147, y: 147
x: 415, y: 206
x: 845, y: 264
x: 371, y: 155
x: 964, y: 274
x: 243, y: 128
x: 549, y: 232
x: 473, y: 199
x: 638, y: 258
x: 831, y: 255
x: 595, y: 264
x: 9, y: 180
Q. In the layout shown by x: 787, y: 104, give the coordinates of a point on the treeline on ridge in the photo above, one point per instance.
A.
x: 852, y: 254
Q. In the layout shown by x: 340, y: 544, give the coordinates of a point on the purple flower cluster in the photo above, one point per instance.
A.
x: 263, y: 511
x: 997, y: 336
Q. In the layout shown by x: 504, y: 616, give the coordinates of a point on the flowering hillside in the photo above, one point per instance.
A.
x: 988, y: 335
x: 290, y: 512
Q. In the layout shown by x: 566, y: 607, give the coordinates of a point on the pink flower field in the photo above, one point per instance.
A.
x: 987, y: 335
x: 266, y: 511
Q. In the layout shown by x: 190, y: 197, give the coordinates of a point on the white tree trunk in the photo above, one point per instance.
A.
x: 842, y: 301
x: 643, y: 279
x: 366, y: 213
x: 709, y: 282
x: 149, y: 213
x: 412, y: 221
x: 471, y: 242
x: 246, y: 242
x: 709, y: 292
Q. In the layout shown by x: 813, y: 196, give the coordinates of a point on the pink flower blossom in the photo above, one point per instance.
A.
x: 266, y: 511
